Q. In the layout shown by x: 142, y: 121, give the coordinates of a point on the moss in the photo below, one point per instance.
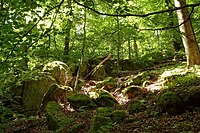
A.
x: 181, y: 79
x: 136, y: 106
x: 109, y: 83
x: 170, y: 102
x: 118, y: 115
x: 52, y: 122
x: 104, y: 111
x: 76, y: 128
x: 53, y: 107
x: 78, y: 100
x: 106, y: 100
x: 100, y: 124
x: 192, y: 97
x: 131, y: 91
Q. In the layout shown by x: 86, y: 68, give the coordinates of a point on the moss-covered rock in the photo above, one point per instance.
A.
x: 170, y: 102
x: 55, y: 93
x: 99, y: 74
x: 136, y: 106
x: 118, y: 115
x: 79, y: 100
x: 53, y: 107
x: 32, y: 92
x: 99, y: 84
x: 137, y: 79
x: 191, y: 97
x: 104, y: 111
x: 59, y: 71
x: 131, y: 91
x: 100, y: 124
x: 52, y: 122
x: 109, y: 83
x: 106, y: 100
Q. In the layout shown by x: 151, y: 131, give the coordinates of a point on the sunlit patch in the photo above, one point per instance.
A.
x: 68, y: 108
x: 177, y: 71
x: 122, y: 100
x: 155, y: 86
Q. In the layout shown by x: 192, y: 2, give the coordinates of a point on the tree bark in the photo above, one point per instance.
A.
x: 188, y: 36
x: 68, y: 30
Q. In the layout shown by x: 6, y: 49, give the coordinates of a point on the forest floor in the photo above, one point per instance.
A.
x: 148, y: 120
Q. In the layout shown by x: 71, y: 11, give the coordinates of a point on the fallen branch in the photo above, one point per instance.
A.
x: 98, y: 66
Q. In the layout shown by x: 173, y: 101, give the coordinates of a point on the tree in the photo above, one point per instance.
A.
x: 68, y: 30
x: 188, y: 36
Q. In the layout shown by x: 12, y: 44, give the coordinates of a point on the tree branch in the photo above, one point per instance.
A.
x: 171, y: 27
x: 137, y: 15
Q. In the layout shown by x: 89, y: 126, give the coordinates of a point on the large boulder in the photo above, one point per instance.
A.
x: 170, y: 102
x: 79, y: 100
x: 31, y: 92
x: 59, y: 71
x: 105, y: 99
x: 55, y: 93
x: 99, y: 74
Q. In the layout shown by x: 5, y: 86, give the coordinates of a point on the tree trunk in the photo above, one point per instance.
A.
x: 188, y: 36
x: 129, y: 48
x: 68, y: 30
x: 118, y: 41
x: 135, y: 48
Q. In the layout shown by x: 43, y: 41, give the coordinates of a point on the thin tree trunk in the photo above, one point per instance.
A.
x: 118, y: 41
x: 129, y: 48
x: 83, y: 48
x: 188, y: 36
x: 135, y: 47
x: 68, y: 30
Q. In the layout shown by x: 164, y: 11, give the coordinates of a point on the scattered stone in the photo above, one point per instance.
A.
x: 98, y: 124
x: 59, y: 71
x: 118, y: 115
x: 106, y: 100
x: 170, y: 102
x: 78, y: 100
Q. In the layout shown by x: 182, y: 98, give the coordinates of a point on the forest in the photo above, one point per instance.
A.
x: 99, y: 66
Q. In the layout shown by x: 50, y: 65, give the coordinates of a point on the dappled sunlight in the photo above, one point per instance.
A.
x: 122, y: 100
x: 177, y: 71
x: 155, y: 86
